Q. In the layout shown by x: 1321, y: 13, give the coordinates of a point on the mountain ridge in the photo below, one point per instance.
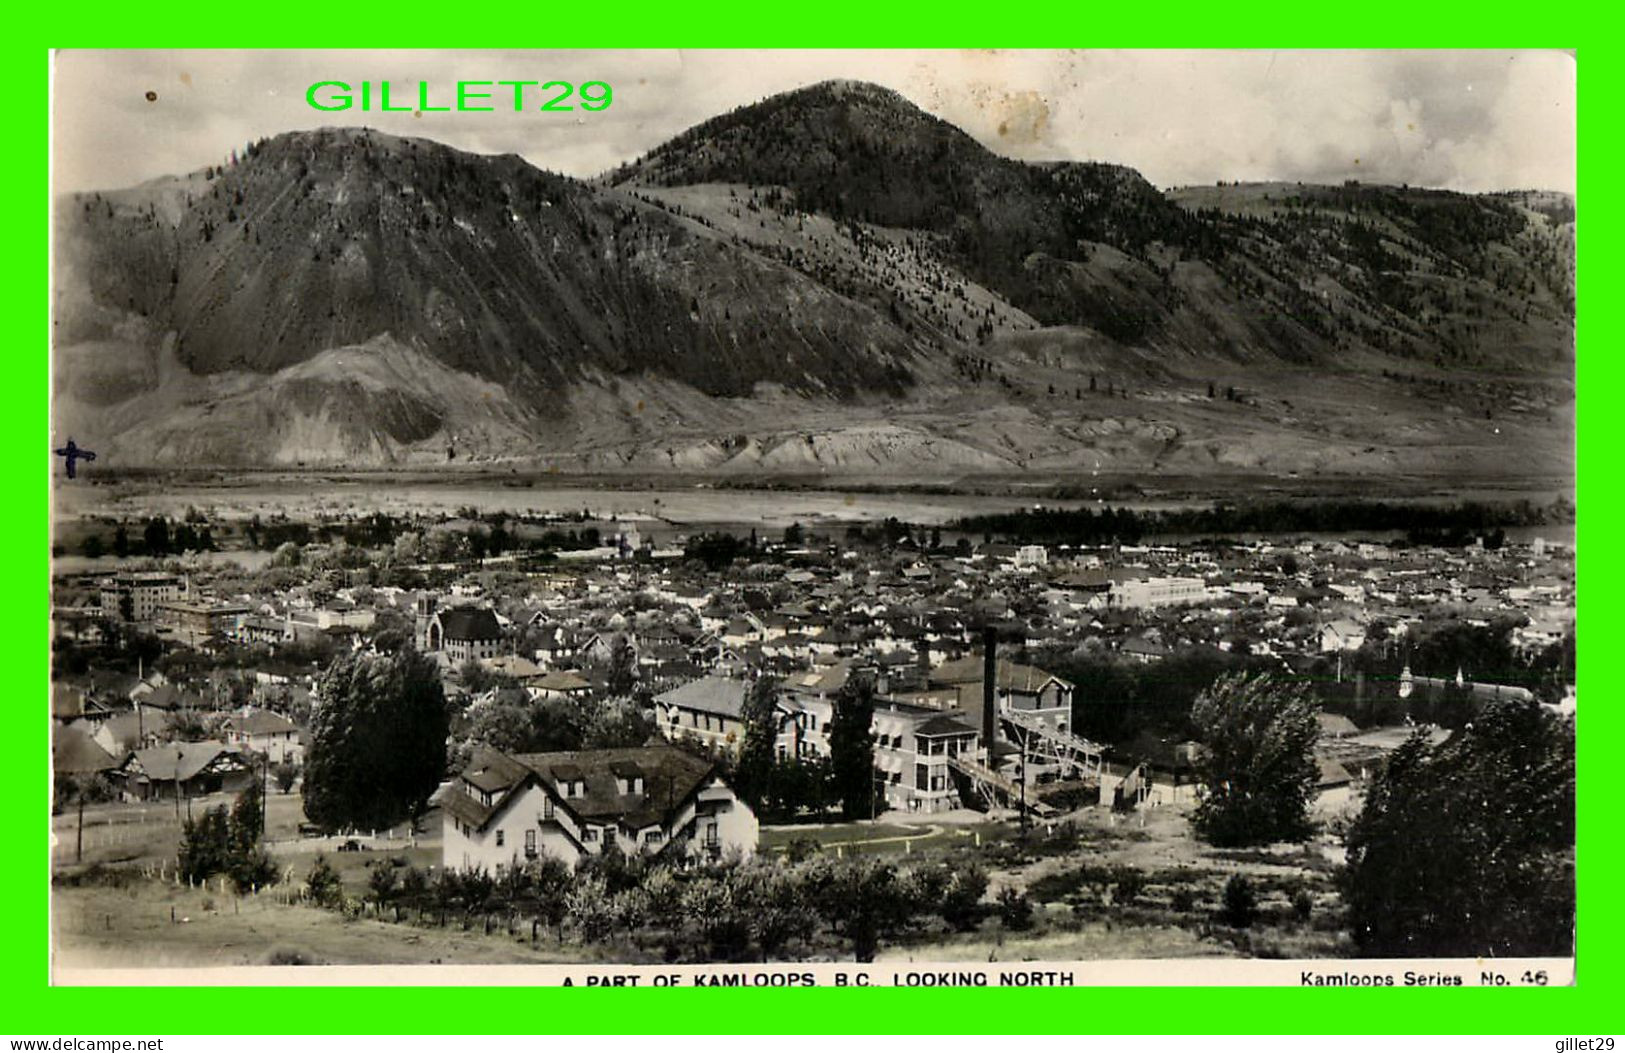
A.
x: 834, y: 256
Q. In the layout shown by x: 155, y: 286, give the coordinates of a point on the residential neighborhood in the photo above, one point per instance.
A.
x: 686, y: 699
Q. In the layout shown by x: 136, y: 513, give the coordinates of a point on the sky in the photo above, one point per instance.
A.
x: 1461, y: 120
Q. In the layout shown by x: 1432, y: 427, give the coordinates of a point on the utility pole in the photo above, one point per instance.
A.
x: 1024, y: 783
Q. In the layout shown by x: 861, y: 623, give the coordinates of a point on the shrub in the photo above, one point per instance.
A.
x: 962, y: 902
x: 381, y: 881
x: 1183, y: 900
x: 802, y: 848
x: 1240, y: 907
x: 253, y: 869
x: 323, y: 882
x: 1303, y: 904
x: 1129, y: 886
x: 288, y: 956
x: 1015, y: 910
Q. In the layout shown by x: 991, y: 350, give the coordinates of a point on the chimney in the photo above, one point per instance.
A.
x: 990, y: 669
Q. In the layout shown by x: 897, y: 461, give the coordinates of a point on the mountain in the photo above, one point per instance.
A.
x: 831, y: 280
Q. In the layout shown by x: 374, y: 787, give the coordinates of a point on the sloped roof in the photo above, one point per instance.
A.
x: 260, y: 722
x: 670, y: 775
x: 559, y: 680
x: 1010, y: 675
x: 944, y: 725
x: 720, y: 695
x: 181, y: 760
x: 470, y: 623
x: 74, y: 752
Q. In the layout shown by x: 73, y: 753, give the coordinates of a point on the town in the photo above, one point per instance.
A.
x: 1015, y: 725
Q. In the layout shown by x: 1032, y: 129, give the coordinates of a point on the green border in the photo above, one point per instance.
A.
x: 33, y: 1007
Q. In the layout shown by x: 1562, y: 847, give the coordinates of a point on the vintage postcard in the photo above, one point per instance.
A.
x: 813, y: 518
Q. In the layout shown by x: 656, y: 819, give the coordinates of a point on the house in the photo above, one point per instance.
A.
x: 75, y: 752
x: 267, y: 733
x: 1016, y: 686
x: 188, y: 768
x: 199, y: 620
x: 1144, y: 649
x: 503, y: 811
x: 709, y: 710
x: 1341, y: 635
x: 558, y: 683
x: 464, y: 633
x: 1029, y: 556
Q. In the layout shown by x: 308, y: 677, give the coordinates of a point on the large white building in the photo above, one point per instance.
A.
x: 147, y: 591
x: 504, y: 811
x: 1144, y: 593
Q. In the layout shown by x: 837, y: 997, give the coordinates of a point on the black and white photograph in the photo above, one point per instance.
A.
x: 976, y: 517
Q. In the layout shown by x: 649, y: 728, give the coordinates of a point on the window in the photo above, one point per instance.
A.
x: 590, y: 834
x: 547, y: 808
x: 530, y: 844
x: 499, y: 838
x: 654, y: 837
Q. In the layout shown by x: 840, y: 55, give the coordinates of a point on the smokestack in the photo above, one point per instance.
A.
x: 990, y: 670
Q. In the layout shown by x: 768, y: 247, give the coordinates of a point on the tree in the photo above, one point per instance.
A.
x: 514, y: 724
x: 325, y: 886
x: 852, y: 747
x: 1258, y: 764
x: 623, y: 667
x: 205, y: 847
x: 475, y: 677
x: 121, y: 542
x: 156, y: 536
x: 378, y: 741
x: 285, y: 774
x: 247, y: 819
x: 754, y: 769
x: 794, y: 535
x: 1240, y: 907
x: 1466, y: 848
x: 92, y: 547
x: 381, y: 881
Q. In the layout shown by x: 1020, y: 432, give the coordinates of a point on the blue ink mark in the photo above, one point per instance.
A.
x: 74, y: 454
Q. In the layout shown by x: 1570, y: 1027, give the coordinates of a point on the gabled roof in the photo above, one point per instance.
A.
x: 720, y: 695
x: 670, y: 776
x: 74, y: 752
x: 1012, y: 676
x: 469, y: 623
x: 559, y: 680
x: 181, y: 760
x: 260, y: 722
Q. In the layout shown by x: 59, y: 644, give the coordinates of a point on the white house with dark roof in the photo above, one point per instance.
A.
x: 265, y: 732
x: 709, y: 710
x: 504, y: 811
